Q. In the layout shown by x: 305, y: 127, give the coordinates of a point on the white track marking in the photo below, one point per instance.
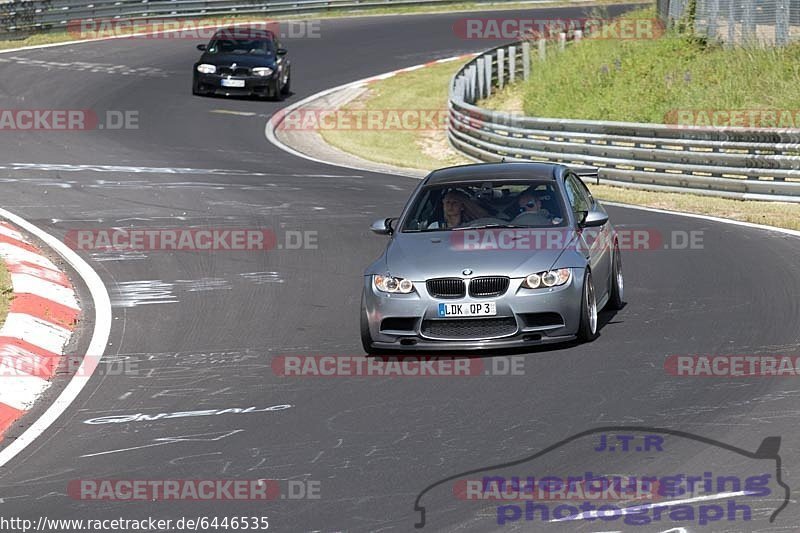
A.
x: 161, y: 441
x: 97, y: 344
x: 20, y: 392
x: 35, y: 331
x: 11, y: 233
x: 30, y: 284
x: 792, y: 232
x: 269, y: 130
x: 15, y: 254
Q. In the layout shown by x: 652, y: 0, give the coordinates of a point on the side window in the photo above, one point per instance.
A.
x: 586, y: 192
x: 578, y: 200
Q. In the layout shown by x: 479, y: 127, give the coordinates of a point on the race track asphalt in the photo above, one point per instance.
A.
x: 200, y: 329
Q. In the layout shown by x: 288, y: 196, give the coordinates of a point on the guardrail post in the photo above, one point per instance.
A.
x: 501, y: 53
x: 542, y: 49
x: 782, y: 22
x: 748, y: 23
x: 462, y: 89
x: 578, y: 35
x: 512, y: 64
x: 487, y: 63
x: 713, y: 19
x: 481, y: 76
x: 526, y: 60
x: 473, y: 84
x: 562, y: 41
x: 731, y: 23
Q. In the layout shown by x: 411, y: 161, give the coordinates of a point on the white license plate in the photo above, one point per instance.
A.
x: 233, y: 83
x: 468, y: 309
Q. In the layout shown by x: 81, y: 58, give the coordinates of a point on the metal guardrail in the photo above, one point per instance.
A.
x: 761, y: 164
x: 18, y: 17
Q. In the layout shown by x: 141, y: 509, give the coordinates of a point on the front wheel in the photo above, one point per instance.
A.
x: 587, y: 330
x: 277, y: 93
x: 366, y: 337
x: 287, y: 83
x: 616, y: 301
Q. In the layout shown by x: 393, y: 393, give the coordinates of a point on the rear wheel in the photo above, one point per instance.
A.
x: 616, y: 301
x: 587, y: 330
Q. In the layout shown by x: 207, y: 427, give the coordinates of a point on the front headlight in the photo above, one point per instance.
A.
x: 551, y: 278
x: 392, y: 284
x: 206, y: 69
x: 262, y: 71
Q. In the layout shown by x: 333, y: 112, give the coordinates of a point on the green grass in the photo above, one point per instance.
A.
x: 426, y: 88
x: 6, y: 293
x: 779, y: 214
x: 60, y: 36
x: 646, y: 80
x: 418, y: 90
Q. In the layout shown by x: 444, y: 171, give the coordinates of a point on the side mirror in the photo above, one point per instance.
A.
x: 282, y: 51
x: 382, y: 226
x: 201, y: 47
x: 594, y: 219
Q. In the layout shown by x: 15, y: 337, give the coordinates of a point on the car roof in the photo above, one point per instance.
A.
x: 481, y: 172
x: 243, y: 32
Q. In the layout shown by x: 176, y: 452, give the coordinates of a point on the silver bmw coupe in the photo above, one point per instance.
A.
x: 494, y: 255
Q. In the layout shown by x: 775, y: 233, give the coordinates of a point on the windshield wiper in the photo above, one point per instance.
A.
x: 486, y: 226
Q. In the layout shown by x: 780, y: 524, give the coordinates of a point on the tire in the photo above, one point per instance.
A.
x: 587, y: 329
x: 287, y: 87
x: 617, y: 293
x: 195, y: 90
x: 366, y: 337
x: 277, y: 94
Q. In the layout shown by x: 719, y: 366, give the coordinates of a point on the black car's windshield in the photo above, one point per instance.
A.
x: 477, y: 205
x: 256, y: 46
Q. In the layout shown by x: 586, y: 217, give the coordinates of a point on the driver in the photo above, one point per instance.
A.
x: 458, y: 209
x: 529, y: 202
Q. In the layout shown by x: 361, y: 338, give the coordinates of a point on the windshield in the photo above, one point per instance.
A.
x: 531, y: 204
x: 257, y: 46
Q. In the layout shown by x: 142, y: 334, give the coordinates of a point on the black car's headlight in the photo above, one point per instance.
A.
x: 262, y: 71
x: 392, y: 284
x: 205, y: 68
x: 550, y: 278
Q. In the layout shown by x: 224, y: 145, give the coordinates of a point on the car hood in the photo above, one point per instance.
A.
x: 242, y: 60
x: 421, y: 256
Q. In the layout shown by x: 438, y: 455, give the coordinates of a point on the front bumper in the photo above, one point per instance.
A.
x: 253, y: 85
x: 525, y: 317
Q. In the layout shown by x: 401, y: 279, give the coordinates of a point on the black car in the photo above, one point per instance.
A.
x: 242, y: 62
